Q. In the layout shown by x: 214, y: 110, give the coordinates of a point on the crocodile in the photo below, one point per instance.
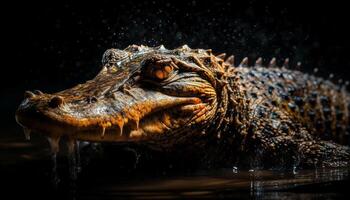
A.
x: 201, y: 104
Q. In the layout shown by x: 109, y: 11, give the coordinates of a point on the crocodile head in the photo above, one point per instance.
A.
x: 141, y: 94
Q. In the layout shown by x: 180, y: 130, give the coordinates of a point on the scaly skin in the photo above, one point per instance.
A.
x: 192, y: 101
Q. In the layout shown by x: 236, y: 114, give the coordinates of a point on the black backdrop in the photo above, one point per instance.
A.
x: 52, y: 46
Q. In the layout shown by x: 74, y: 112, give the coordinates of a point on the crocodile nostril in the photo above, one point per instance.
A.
x: 91, y: 99
x: 56, y: 101
x: 38, y: 92
x: 28, y: 94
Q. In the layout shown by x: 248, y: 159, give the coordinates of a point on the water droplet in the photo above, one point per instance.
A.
x: 295, y: 171
x: 235, y: 169
x: 26, y: 133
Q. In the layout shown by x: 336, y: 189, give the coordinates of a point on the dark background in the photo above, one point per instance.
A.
x: 52, y: 46
x: 55, y: 45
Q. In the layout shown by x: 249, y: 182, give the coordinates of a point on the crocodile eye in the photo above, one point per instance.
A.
x: 162, y: 72
x: 159, y: 69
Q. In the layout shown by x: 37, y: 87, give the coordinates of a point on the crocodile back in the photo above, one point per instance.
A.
x: 318, y: 104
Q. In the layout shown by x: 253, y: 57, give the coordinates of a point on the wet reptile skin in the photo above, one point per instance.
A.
x: 191, y: 99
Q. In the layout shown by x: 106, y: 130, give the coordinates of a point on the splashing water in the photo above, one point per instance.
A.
x: 54, y: 147
x: 73, y: 159
x: 54, y: 175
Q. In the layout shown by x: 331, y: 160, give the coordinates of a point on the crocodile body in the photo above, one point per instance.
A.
x: 193, y: 101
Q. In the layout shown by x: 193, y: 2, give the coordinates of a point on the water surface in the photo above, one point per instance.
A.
x: 25, y: 172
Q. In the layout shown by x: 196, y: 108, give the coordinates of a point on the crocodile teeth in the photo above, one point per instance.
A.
x: 137, y: 122
x: 121, y: 129
x: 120, y: 124
x: 103, y: 131
x: 27, y: 133
x: 134, y: 124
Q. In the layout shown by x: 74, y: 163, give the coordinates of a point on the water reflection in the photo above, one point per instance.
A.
x: 31, y: 173
x: 260, y: 184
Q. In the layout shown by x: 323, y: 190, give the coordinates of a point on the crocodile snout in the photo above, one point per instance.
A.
x: 55, y: 101
x: 35, y: 106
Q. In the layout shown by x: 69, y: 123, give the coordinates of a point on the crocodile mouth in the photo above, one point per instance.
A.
x: 122, y: 119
